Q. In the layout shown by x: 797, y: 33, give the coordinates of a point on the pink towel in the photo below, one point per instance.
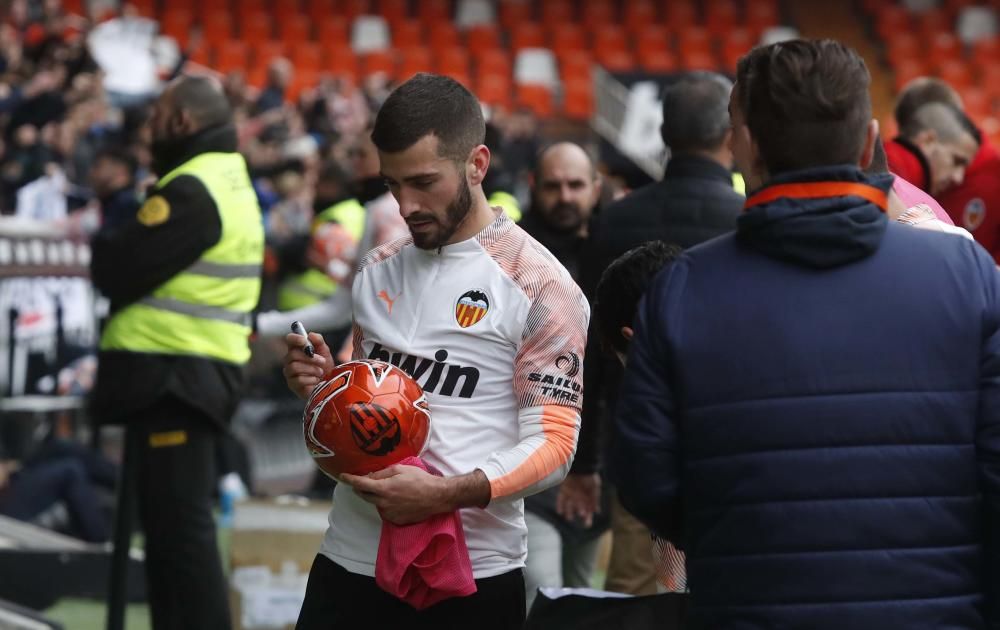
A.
x: 911, y: 196
x: 427, y: 562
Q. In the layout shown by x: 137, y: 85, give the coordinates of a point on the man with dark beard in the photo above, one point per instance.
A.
x: 183, y: 275
x: 492, y: 328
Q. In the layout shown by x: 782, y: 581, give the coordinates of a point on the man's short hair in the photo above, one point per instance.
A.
x: 880, y: 161
x: 119, y: 155
x: 430, y: 104
x: 203, y: 98
x: 921, y: 91
x: 696, y: 112
x: 805, y: 102
x: 945, y: 120
x: 622, y: 285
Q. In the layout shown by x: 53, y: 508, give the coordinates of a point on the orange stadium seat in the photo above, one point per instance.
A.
x: 179, y: 5
x: 285, y: 8
x: 597, y: 13
x: 892, y: 19
x: 302, y: 80
x: 535, y: 98
x: 407, y: 33
x: 443, y: 35
x: 231, y: 55
x: 576, y: 66
x: 615, y: 60
x: 904, y: 45
x: 761, y: 16
x: 680, y: 15
x: 433, y: 12
x: 514, y: 13
x: 658, y: 61
x: 989, y: 79
x: 200, y: 55
x: 146, y: 8
x: 482, y: 37
x: 255, y: 27
x: 217, y: 26
x: 383, y: 61
x: 564, y: 37
x: 494, y: 90
x: 956, y: 73
x: 986, y: 51
x: 333, y: 29
x: 734, y: 45
x: 453, y: 60
x: 350, y: 9
x: 495, y: 61
x: 256, y: 77
x: 307, y: 55
x: 339, y: 60
x: 265, y: 51
x: 694, y: 40
x: 652, y: 39
x: 294, y: 29
x: 907, y: 70
x: 610, y: 37
x: 578, y: 100
x: 976, y: 101
x: 934, y: 21
x: 721, y: 16
x: 699, y: 61
x: 640, y: 13
x: 944, y: 46
x: 177, y: 24
x: 413, y: 60
x: 320, y: 10
x: 557, y: 13
x: 527, y: 35
x: 394, y: 10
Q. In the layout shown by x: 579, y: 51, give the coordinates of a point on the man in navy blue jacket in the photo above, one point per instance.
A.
x: 811, y: 409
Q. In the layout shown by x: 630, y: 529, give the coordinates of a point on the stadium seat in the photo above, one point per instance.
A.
x: 442, y: 35
x: 472, y: 12
x: 394, y: 10
x: 407, y: 33
x: 481, y: 38
x: 907, y: 70
x: 320, y: 10
x: 577, y: 65
x: 415, y: 59
x: 306, y: 55
x: 615, y: 60
x: 694, y: 40
x: 217, y: 26
x: 494, y: 90
x: 652, y: 39
x: 934, y: 21
x: 976, y: 23
x: 370, y: 33
x: 284, y: 8
x: 681, y: 15
x: 736, y: 43
x: 699, y: 61
x: 340, y: 61
x: 609, y: 37
x: 956, y: 73
x: 527, y: 35
x: 903, y: 46
x: 255, y: 27
x: 453, y: 61
x: 564, y: 37
x: 777, y: 34
x: 892, y: 19
x: 640, y: 13
x: 761, y: 15
x: 535, y: 98
x: 721, y: 16
x: 379, y: 61
x: 977, y: 102
x: 332, y: 30
x: 536, y: 66
x: 658, y: 61
x: 986, y: 51
x: 201, y: 56
x: 293, y: 29
x: 556, y: 13
x: 434, y: 12
x: 264, y: 52
x: 597, y: 13
x: 493, y: 61
x: 353, y: 9
x: 944, y: 46
x: 231, y: 55
x: 578, y: 100
x: 514, y: 13
x: 177, y: 23
x: 989, y: 79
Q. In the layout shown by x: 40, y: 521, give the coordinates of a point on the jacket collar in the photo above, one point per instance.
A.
x: 171, y: 154
x: 697, y: 166
x: 925, y: 167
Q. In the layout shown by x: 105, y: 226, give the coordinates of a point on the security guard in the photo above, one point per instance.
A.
x: 183, y: 277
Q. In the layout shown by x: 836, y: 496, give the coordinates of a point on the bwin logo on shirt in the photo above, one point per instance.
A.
x: 428, y: 374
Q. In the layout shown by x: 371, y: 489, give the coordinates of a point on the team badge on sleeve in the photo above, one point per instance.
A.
x: 471, y: 307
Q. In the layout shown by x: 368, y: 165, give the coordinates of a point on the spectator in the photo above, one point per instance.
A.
x: 279, y: 76
x: 113, y: 179
x: 933, y: 149
x: 843, y: 460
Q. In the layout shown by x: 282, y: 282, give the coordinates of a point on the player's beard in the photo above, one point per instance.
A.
x: 454, y: 215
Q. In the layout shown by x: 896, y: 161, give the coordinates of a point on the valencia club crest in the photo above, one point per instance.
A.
x: 471, y: 307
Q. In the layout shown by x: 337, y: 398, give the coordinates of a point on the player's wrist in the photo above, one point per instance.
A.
x: 467, y: 491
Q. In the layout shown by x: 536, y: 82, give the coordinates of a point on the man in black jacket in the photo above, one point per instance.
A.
x: 183, y: 275
x: 693, y: 203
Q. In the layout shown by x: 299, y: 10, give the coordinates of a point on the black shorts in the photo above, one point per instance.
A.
x: 337, y: 598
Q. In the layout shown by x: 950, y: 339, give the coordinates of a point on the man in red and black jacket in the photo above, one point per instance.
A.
x: 934, y: 148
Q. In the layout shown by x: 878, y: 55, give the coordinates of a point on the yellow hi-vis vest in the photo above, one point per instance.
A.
x: 313, y: 285
x: 509, y: 204
x: 204, y: 311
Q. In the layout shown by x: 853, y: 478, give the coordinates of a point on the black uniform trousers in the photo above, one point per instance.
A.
x: 170, y: 456
x: 337, y: 599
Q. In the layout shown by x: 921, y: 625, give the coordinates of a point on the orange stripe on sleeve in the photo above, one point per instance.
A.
x: 559, y: 424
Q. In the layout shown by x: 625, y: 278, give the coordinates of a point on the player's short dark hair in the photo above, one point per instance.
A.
x: 806, y: 103
x: 921, y: 91
x: 622, y: 285
x: 430, y: 104
x: 696, y: 112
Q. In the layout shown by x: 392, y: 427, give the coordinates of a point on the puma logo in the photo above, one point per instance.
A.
x: 383, y: 295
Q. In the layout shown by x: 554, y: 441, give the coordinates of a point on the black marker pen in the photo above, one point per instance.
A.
x: 299, y: 329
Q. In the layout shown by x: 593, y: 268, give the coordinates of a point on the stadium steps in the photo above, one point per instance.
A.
x: 818, y: 19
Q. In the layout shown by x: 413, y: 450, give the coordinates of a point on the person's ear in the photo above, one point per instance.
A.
x: 868, y: 151
x: 477, y: 165
x: 925, y: 139
x: 627, y: 332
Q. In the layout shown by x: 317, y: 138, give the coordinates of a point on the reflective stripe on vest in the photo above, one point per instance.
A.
x: 204, y: 310
x: 313, y: 285
x: 509, y: 204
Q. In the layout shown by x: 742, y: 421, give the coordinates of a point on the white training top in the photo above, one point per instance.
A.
x: 493, y: 328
